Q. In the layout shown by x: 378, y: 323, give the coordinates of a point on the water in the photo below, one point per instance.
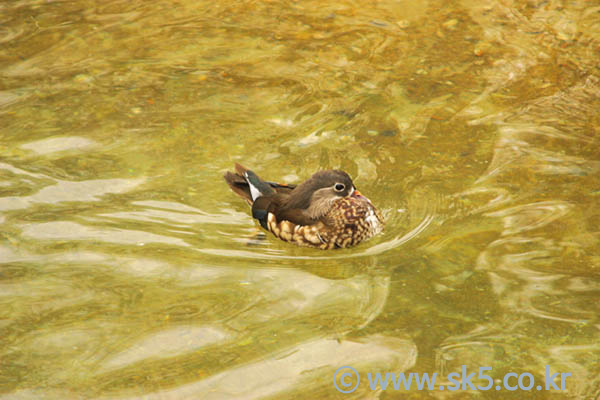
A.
x: 129, y: 270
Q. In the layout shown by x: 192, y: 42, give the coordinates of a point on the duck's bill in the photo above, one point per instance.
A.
x: 358, y: 195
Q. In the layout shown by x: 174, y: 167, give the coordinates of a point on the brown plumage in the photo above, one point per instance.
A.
x: 325, y: 212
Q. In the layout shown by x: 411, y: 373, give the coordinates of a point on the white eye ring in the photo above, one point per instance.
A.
x: 339, y: 187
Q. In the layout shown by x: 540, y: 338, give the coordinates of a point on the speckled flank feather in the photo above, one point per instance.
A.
x: 302, y: 235
x: 349, y: 222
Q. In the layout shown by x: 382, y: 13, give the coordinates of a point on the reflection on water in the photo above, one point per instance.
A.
x: 299, y: 372
x: 129, y: 271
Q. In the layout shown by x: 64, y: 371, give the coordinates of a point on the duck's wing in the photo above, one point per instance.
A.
x: 243, y: 182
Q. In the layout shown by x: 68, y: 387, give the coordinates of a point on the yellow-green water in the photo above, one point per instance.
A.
x: 130, y: 271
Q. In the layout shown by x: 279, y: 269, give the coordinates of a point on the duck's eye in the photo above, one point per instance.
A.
x: 339, y: 187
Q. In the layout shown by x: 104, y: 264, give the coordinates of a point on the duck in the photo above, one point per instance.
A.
x: 324, y: 212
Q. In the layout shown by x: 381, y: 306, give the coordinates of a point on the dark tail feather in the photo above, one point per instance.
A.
x: 239, y: 186
x: 238, y: 183
x: 240, y: 169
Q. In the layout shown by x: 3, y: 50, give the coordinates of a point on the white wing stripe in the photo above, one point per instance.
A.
x: 254, y: 192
